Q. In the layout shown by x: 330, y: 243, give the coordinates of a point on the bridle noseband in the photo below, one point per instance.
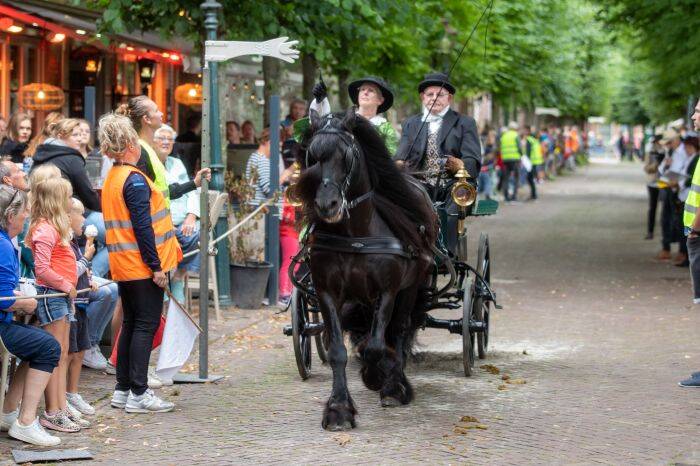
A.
x: 352, y: 153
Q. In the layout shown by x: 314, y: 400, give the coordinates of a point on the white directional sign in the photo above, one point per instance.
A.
x: 222, y: 50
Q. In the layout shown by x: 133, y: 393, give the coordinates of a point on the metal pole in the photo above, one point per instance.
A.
x: 211, y: 23
x: 89, y: 105
x: 204, y: 236
x: 272, y: 220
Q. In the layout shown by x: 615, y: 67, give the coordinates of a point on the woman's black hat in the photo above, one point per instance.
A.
x: 436, y: 79
x: 354, y: 91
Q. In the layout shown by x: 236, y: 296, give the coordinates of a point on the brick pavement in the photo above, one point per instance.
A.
x: 598, y: 331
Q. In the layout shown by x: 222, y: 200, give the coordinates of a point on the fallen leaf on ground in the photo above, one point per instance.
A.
x: 505, y: 377
x: 517, y: 381
x: 490, y: 368
x: 342, y: 439
x: 524, y: 351
x: 502, y: 387
x: 461, y: 430
x: 110, y: 440
x: 468, y: 419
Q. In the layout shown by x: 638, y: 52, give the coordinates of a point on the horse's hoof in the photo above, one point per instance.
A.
x: 372, y: 378
x: 390, y: 402
x: 339, y: 417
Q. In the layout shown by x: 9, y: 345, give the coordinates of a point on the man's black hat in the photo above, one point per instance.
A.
x: 354, y: 91
x: 436, y: 79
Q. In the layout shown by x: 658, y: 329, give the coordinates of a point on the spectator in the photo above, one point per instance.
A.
x: 11, y: 175
x: 248, y: 133
x: 18, y: 134
x: 55, y: 269
x: 194, y: 129
x: 511, y: 153
x: 682, y: 188
x: 98, y: 304
x: 3, y: 129
x: 137, y: 209
x: 38, y: 351
x: 297, y: 111
x: 653, y: 159
x: 46, y: 132
x: 673, y: 166
x: 533, y: 150
x: 233, y: 133
x: 86, y: 136
x: 257, y: 169
x: 184, y: 211
x: 488, y: 164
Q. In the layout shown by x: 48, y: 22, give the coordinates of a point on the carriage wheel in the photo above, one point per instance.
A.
x: 301, y: 341
x: 320, y: 345
x: 467, y: 336
x: 482, y: 307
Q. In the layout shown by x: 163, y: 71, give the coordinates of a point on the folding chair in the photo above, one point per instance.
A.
x: 5, y: 356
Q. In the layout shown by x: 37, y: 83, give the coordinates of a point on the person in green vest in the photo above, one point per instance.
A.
x: 510, y: 155
x: 147, y: 118
x: 533, y: 150
x: 691, y: 222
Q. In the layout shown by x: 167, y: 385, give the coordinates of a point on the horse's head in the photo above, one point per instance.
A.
x: 334, y: 159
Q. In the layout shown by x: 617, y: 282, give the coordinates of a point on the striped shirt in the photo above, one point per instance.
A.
x: 257, y: 171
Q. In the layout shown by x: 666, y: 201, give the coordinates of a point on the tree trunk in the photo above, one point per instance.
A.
x: 271, y: 75
x: 343, y: 97
x: 309, y: 65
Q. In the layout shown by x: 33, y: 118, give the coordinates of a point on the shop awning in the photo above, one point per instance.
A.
x: 42, y: 13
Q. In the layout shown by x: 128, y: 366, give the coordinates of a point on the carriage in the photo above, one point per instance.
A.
x: 455, y: 286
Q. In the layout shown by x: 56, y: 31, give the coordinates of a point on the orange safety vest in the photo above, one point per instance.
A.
x: 125, y: 260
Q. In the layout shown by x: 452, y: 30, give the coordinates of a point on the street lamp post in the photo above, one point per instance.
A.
x: 211, y: 9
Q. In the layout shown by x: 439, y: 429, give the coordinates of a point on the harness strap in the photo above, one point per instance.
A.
x: 361, y: 245
x: 359, y: 200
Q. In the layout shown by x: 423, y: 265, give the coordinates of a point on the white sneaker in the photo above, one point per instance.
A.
x: 153, y: 380
x: 77, y: 402
x: 94, y: 359
x: 110, y: 369
x: 148, y: 402
x: 34, y: 434
x: 8, y: 419
x: 119, y: 398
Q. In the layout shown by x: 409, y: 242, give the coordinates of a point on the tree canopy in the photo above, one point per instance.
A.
x: 622, y: 58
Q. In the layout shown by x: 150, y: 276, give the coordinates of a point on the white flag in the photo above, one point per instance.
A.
x: 178, y: 339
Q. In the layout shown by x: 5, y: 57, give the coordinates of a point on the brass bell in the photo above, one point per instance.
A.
x: 463, y: 193
x: 291, y: 196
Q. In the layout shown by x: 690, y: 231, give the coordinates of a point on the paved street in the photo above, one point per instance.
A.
x: 594, y: 336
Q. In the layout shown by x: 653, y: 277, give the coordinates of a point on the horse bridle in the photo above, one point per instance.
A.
x: 353, y: 153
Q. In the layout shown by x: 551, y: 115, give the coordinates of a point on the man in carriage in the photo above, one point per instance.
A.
x: 438, y: 143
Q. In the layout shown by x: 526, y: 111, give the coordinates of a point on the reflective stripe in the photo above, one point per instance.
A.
x: 695, y: 188
x: 122, y: 247
x: 690, y: 209
x: 160, y: 215
x: 134, y: 246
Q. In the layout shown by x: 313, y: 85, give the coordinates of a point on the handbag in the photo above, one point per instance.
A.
x: 525, y: 161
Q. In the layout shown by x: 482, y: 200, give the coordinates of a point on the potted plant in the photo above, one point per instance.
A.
x: 249, y: 270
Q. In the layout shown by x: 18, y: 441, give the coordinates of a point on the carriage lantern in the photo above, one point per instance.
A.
x: 463, y: 193
x: 39, y: 96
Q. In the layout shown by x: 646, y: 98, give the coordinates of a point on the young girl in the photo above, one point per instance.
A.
x: 55, y: 269
x: 79, y: 329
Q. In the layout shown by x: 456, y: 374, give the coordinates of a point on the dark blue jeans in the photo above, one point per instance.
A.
x: 31, y: 344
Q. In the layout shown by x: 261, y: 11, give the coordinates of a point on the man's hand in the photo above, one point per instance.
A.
x: 204, y: 172
x: 189, y: 225
x: 400, y: 164
x: 160, y: 279
x: 453, y: 164
x: 94, y: 286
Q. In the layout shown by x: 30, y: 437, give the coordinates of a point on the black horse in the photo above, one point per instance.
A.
x: 370, y: 256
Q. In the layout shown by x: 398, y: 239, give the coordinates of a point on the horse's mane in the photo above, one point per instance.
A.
x: 400, y: 204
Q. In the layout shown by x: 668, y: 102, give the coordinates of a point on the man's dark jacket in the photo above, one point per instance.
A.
x: 72, y: 166
x: 458, y: 137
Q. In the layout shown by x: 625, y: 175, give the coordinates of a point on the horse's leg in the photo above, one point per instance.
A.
x: 375, y: 352
x: 396, y: 389
x: 339, y: 413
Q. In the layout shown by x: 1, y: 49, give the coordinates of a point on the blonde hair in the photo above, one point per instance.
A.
x: 135, y: 110
x: 116, y: 133
x: 46, y: 130
x: 42, y: 173
x: 65, y: 127
x: 48, y: 203
x: 77, y: 206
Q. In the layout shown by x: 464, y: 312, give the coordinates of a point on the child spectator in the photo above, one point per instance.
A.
x: 55, y: 269
x: 79, y: 333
